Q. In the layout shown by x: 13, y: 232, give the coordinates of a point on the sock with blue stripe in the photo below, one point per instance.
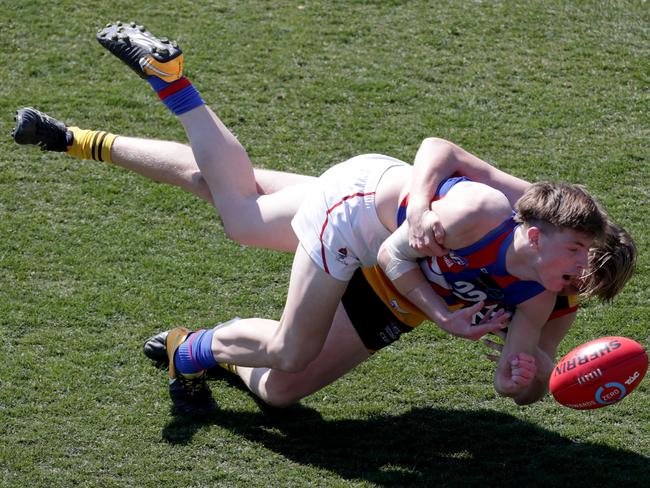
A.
x: 195, y: 354
x: 179, y: 96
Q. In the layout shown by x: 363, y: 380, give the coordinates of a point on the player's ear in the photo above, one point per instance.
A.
x: 533, y: 237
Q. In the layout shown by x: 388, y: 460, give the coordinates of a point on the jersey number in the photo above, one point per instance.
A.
x: 466, y: 291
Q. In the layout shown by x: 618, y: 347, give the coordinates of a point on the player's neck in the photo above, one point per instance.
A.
x: 520, y: 258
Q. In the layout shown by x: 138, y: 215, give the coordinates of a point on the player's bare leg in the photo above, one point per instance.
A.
x: 313, y: 295
x: 166, y: 162
x: 289, y: 345
x: 311, y: 304
x: 342, y: 352
x: 173, y: 163
x: 261, y: 219
x: 223, y: 161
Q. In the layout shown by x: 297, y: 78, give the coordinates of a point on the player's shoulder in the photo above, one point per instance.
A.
x: 485, y: 201
x: 483, y: 208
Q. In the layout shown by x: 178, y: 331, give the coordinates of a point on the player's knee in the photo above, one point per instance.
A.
x: 439, y: 145
x: 237, y: 231
x: 242, y: 228
x: 198, y: 186
x: 290, y: 359
x: 281, y: 396
x: 293, y: 362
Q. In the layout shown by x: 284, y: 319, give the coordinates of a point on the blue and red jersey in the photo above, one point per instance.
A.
x: 477, y: 272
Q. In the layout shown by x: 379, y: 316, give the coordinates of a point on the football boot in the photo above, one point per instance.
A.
x: 190, y: 393
x: 34, y: 127
x: 155, y: 348
x: 144, y: 53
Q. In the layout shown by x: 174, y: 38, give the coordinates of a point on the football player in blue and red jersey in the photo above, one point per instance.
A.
x: 284, y: 361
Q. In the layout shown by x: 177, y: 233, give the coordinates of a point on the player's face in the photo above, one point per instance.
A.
x: 562, y: 259
x: 575, y: 287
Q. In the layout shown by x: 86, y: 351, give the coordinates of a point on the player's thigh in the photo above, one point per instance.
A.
x: 283, y: 204
x: 270, y: 181
x: 342, y: 352
x: 277, y: 210
x: 312, y: 300
x: 264, y: 220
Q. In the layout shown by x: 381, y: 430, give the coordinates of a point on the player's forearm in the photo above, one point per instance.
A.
x: 424, y: 298
x: 519, y: 365
x: 398, y: 260
x: 438, y: 159
x: 433, y: 163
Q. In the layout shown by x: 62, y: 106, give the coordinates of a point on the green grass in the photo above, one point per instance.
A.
x: 93, y: 259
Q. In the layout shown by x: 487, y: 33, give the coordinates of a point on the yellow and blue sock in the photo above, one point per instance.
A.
x: 179, y: 96
x: 195, y: 354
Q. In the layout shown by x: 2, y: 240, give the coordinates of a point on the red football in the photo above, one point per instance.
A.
x: 599, y: 373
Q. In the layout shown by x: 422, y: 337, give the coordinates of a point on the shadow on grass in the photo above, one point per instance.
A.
x: 429, y: 445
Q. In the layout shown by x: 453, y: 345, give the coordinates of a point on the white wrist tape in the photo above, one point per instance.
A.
x: 402, y: 257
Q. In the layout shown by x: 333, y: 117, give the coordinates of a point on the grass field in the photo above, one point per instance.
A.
x: 93, y: 259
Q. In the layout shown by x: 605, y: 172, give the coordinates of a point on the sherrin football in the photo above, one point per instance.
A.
x: 599, y: 373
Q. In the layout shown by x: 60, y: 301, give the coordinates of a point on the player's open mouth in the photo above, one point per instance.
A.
x: 567, y: 278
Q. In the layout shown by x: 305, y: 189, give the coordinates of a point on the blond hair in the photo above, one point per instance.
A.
x: 612, y: 261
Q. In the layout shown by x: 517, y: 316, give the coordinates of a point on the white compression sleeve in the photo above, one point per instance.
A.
x: 401, y: 256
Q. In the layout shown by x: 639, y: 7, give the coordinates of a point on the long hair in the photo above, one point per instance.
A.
x: 612, y: 261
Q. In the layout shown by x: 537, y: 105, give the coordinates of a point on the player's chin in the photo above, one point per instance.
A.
x: 569, y: 290
x: 559, y: 284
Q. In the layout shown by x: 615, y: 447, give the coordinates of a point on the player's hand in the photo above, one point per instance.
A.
x: 545, y: 365
x: 516, y: 375
x: 459, y: 323
x: 497, y: 347
x: 543, y: 361
x: 523, y: 369
x: 426, y: 233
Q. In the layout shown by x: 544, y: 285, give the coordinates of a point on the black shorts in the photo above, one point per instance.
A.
x: 372, y: 319
x: 378, y: 327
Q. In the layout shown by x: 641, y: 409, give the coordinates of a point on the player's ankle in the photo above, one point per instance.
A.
x: 179, y: 96
x: 91, y: 144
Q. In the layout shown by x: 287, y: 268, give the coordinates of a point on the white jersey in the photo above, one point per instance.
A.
x: 338, y: 224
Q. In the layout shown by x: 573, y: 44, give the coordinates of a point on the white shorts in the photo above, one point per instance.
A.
x: 338, y: 224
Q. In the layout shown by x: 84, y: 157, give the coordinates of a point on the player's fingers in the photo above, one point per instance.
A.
x: 478, y: 331
x: 492, y: 316
x: 433, y: 222
x: 522, y: 357
x: 500, y: 333
x: 430, y: 246
x: 435, y: 249
x: 493, y: 345
x: 470, y: 311
x: 500, y: 314
x: 521, y: 381
x: 439, y: 233
x: 435, y: 246
x: 415, y: 242
x: 523, y: 372
x: 435, y: 234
